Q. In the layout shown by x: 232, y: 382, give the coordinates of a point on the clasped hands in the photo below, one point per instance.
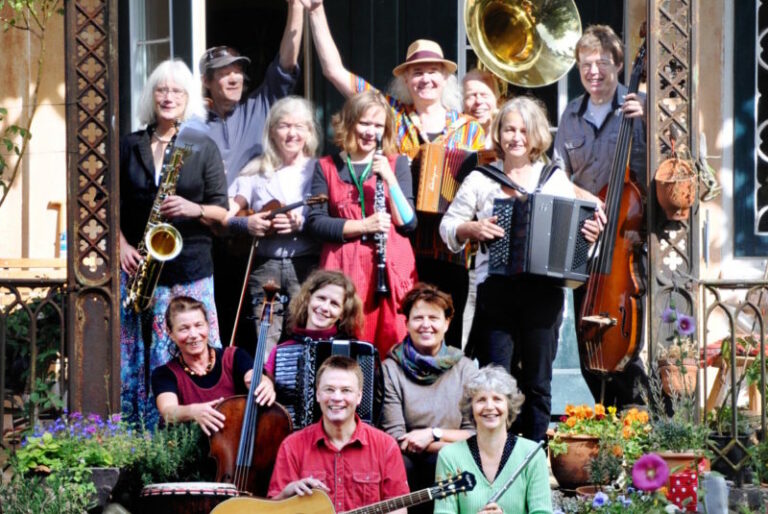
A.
x: 262, y: 224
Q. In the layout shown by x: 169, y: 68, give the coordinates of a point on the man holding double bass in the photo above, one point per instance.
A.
x: 585, y: 143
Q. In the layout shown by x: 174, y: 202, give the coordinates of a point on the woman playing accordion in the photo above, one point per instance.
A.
x: 516, y: 319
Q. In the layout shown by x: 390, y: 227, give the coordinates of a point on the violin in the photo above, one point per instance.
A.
x: 609, y: 330
x: 246, y: 448
x: 274, y: 207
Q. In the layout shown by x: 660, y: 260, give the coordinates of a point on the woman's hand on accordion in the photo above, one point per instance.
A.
x: 484, y: 229
x: 592, y: 228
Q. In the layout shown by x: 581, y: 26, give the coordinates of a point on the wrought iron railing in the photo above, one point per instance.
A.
x: 737, y: 309
x: 33, y: 369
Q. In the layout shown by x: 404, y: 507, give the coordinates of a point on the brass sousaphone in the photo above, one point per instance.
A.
x: 529, y: 43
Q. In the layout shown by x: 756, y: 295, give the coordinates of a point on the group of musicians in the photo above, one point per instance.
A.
x: 354, y: 233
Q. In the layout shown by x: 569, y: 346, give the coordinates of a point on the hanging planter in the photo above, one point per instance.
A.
x: 675, y: 188
x: 673, y: 380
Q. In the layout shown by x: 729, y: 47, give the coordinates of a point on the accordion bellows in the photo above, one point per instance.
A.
x: 542, y: 237
x: 296, y: 366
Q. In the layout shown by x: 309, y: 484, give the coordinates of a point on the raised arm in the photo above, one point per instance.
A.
x: 290, y: 45
x: 327, y: 52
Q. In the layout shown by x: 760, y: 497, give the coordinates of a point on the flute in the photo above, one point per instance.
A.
x: 380, y: 205
x: 498, y: 494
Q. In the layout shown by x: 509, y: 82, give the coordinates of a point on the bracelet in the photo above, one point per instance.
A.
x: 238, y: 225
x: 202, y: 212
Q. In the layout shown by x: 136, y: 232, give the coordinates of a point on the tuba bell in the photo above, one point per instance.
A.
x: 529, y: 43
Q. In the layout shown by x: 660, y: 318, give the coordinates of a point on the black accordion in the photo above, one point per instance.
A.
x: 296, y: 366
x: 542, y: 237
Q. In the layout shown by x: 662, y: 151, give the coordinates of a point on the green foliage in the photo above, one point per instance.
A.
x: 759, y: 456
x: 55, y: 494
x: 608, y: 465
x: 172, y: 454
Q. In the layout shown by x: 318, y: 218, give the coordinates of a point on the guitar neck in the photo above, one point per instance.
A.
x: 401, y: 502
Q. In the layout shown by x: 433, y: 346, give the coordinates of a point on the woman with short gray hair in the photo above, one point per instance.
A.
x: 492, y: 401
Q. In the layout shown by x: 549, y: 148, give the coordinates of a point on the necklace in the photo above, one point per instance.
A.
x: 159, y: 139
x: 208, y: 368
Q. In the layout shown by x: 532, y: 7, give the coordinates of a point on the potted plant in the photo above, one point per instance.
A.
x: 74, y: 459
x: 646, y: 495
x: 676, y: 362
x: 676, y: 187
x: 576, y: 442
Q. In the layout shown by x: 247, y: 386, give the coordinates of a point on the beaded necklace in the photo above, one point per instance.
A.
x: 211, y: 362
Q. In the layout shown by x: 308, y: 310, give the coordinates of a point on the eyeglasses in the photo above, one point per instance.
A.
x: 602, y: 64
x: 289, y: 126
x: 173, y: 92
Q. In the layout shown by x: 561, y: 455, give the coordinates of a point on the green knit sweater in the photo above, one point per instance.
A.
x: 528, y: 494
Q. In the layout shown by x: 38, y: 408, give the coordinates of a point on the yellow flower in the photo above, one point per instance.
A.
x: 612, y: 410
x: 571, y: 421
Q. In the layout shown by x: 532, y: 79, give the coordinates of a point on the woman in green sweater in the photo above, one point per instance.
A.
x: 491, y: 399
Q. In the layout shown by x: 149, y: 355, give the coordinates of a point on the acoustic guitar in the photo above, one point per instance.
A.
x: 319, y: 502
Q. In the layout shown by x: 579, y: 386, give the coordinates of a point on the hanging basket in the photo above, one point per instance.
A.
x: 675, y: 188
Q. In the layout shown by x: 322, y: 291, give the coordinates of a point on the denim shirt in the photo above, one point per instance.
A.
x: 586, y: 152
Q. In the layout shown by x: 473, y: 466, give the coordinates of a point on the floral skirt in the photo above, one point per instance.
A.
x: 136, y: 398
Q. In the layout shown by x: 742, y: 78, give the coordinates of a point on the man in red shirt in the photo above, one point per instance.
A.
x: 354, y: 463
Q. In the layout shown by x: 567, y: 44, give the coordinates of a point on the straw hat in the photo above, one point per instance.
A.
x: 424, y: 50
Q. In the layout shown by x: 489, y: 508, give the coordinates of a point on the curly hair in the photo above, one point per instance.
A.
x: 343, y: 123
x: 600, y: 38
x: 351, y: 320
x: 492, y: 378
x: 430, y: 294
x: 534, y: 115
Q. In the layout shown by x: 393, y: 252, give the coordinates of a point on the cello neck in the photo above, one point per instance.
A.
x: 248, y: 431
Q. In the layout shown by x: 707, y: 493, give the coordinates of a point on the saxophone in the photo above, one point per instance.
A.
x: 380, y: 205
x: 161, y: 241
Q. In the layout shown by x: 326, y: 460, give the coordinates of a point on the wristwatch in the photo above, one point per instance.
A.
x: 437, y: 433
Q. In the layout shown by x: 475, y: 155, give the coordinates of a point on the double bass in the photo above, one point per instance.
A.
x: 609, y: 330
x: 246, y: 448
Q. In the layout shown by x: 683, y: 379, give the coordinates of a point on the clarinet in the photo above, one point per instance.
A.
x: 380, y: 205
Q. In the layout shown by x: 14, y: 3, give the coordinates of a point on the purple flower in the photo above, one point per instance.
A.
x: 600, y: 500
x: 669, y: 315
x: 686, y: 325
x: 650, y: 472
x: 76, y: 416
x: 626, y: 502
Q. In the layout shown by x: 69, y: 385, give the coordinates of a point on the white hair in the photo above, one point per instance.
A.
x: 288, y: 106
x: 450, y: 99
x: 178, y: 72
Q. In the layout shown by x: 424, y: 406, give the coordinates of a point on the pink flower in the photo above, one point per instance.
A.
x: 686, y: 325
x: 650, y: 472
x: 669, y: 315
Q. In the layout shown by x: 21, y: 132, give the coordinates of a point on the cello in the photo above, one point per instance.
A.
x: 609, y: 329
x: 246, y: 447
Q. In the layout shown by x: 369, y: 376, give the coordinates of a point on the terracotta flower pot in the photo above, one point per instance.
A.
x: 571, y: 469
x: 675, y: 188
x: 672, y: 379
x: 680, y: 461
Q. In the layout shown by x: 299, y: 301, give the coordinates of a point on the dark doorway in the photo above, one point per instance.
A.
x: 253, y: 28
